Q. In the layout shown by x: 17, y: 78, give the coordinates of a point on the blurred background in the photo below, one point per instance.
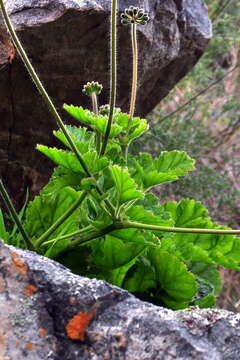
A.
x: 202, y: 116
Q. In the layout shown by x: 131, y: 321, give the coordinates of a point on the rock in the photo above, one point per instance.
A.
x: 47, y: 312
x: 67, y: 41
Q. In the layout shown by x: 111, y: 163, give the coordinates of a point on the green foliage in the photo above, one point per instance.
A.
x: 167, y: 167
x: 93, y: 214
x: 204, y: 121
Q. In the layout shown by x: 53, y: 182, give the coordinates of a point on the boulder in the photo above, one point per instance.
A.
x: 67, y: 41
x: 46, y: 312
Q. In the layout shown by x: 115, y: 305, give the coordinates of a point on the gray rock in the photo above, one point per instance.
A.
x: 39, y: 297
x: 67, y: 41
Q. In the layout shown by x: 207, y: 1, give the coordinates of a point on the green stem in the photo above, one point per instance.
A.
x: 113, y: 81
x: 95, y: 110
x: 61, y: 220
x: 68, y: 236
x: 95, y: 104
x: 93, y: 236
x: 15, y: 217
x: 130, y: 224
x: 46, y: 97
x: 134, y: 72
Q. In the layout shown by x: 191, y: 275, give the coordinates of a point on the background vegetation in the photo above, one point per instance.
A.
x: 202, y: 116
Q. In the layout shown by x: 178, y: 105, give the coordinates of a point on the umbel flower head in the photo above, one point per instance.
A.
x: 92, y: 88
x: 134, y: 15
x: 105, y: 109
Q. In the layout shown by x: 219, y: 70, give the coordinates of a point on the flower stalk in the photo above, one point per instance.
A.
x: 134, y: 72
x: 93, y: 89
x: 134, y: 15
x: 113, y: 80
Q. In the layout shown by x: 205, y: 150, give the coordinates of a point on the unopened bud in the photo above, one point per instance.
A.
x: 92, y: 88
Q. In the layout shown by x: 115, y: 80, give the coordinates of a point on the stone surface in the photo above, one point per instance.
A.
x: 67, y: 41
x: 39, y: 298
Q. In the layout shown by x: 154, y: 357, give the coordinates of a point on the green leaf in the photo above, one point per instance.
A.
x: 4, y: 235
x: 84, y: 116
x: 169, y: 166
x: 118, y: 249
x: 61, y: 157
x: 139, y: 214
x: 60, y: 179
x: 76, y: 259
x: 56, y: 248
x: 208, y: 273
x: 43, y: 212
x: 216, y: 249
x: 122, y: 119
x: 100, y: 125
x: 68, y: 160
x: 187, y: 213
x: 141, y: 277
x: 206, y: 301
x: 176, y: 162
x: 138, y: 127
x: 83, y: 139
x: 209, y: 284
x: 117, y: 276
x: 177, y: 284
x: 125, y: 186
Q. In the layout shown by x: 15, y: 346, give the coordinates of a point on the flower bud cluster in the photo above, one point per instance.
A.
x: 104, y: 110
x: 92, y: 88
x: 134, y: 15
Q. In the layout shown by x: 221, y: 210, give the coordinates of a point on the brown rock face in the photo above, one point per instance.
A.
x: 67, y: 41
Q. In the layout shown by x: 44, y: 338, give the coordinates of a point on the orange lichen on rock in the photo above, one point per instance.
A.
x: 76, y: 328
x: 29, y: 346
x: 22, y: 268
x: 30, y: 290
x: 42, y: 332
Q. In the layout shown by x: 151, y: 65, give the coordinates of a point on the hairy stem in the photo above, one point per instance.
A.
x: 134, y: 72
x: 130, y: 224
x: 96, y: 234
x: 113, y: 80
x: 95, y: 103
x: 71, y: 235
x: 46, y: 97
x: 95, y: 110
x: 61, y: 220
x: 29, y: 245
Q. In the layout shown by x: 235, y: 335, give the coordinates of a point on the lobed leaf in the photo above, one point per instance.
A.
x: 68, y: 160
x: 83, y: 139
x: 43, y: 212
x: 216, y: 249
x: 126, y: 188
x: 169, y: 166
x: 139, y: 214
x: 141, y: 277
x: 177, y: 285
x: 118, y: 249
x: 78, y: 112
